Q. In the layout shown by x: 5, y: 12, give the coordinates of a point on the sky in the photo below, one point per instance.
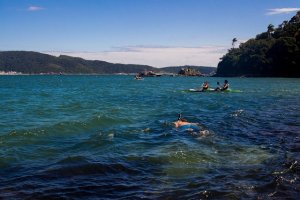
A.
x: 159, y: 33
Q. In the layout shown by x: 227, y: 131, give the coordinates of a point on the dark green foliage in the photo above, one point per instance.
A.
x: 36, y: 63
x: 274, y: 53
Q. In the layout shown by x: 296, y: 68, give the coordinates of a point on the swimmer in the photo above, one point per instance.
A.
x: 194, y: 129
x: 183, y: 124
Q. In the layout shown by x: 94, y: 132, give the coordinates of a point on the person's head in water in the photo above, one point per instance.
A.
x: 180, y: 122
x: 225, y: 81
x: 180, y: 118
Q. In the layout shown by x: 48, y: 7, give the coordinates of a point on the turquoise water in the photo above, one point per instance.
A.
x: 112, y: 137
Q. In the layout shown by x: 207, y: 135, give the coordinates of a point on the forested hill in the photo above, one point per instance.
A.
x: 36, y: 63
x: 274, y: 53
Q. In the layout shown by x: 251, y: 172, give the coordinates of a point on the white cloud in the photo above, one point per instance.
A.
x: 34, y: 8
x: 156, y: 56
x: 276, y: 11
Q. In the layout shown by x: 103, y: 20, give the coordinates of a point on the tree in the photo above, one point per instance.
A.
x: 270, y: 30
x: 273, y: 53
x: 234, y: 40
x: 282, y: 25
x: 296, y: 18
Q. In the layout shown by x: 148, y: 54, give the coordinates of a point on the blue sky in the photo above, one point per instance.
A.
x: 154, y: 32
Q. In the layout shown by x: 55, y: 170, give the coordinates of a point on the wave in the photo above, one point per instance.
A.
x: 283, y: 182
x: 77, y: 166
x: 69, y: 127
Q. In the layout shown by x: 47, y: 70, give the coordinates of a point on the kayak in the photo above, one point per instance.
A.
x: 211, y: 90
x: 199, y: 90
x: 230, y: 90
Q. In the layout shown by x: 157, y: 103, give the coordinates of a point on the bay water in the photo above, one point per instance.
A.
x: 112, y: 137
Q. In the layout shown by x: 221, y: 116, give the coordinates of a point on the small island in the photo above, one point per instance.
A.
x: 189, y: 72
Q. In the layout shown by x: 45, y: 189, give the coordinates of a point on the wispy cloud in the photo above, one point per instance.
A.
x: 277, y: 11
x: 156, y: 56
x: 35, y: 8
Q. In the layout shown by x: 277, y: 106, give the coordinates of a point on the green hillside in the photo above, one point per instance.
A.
x: 36, y: 63
x: 274, y: 53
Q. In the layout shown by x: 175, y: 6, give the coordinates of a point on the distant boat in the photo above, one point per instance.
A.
x: 148, y: 74
x: 138, y: 78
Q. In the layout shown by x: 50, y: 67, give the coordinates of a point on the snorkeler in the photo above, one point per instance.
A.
x: 183, y: 124
x: 194, y: 129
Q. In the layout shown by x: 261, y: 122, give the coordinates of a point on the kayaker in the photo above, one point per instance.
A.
x: 205, y: 86
x: 218, y: 88
x: 225, y: 86
x: 137, y: 77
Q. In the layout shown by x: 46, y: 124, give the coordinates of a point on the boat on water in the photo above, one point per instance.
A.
x: 148, y: 74
x: 138, y: 78
x: 211, y: 90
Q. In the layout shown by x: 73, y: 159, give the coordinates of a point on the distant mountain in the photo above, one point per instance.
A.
x: 36, y: 63
x: 29, y: 62
x: 274, y: 53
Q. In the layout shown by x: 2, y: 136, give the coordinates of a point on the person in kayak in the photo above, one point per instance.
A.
x: 137, y: 77
x: 225, y: 86
x: 218, y: 88
x: 205, y: 86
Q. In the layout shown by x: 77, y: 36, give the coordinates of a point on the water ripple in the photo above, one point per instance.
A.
x: 111, y: 137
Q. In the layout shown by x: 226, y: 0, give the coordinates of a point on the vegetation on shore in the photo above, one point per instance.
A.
x: 38, y: 63
x: 274, y: 53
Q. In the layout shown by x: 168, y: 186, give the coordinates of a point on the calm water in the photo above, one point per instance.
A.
x: 105, y: 137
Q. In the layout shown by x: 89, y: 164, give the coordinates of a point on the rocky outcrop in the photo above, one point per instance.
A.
x: 189, y: 72
x: 148, y: 74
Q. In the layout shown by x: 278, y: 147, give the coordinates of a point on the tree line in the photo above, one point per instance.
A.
x: 273, y: 53
x: 29, y: 62
x: 36, y: 63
